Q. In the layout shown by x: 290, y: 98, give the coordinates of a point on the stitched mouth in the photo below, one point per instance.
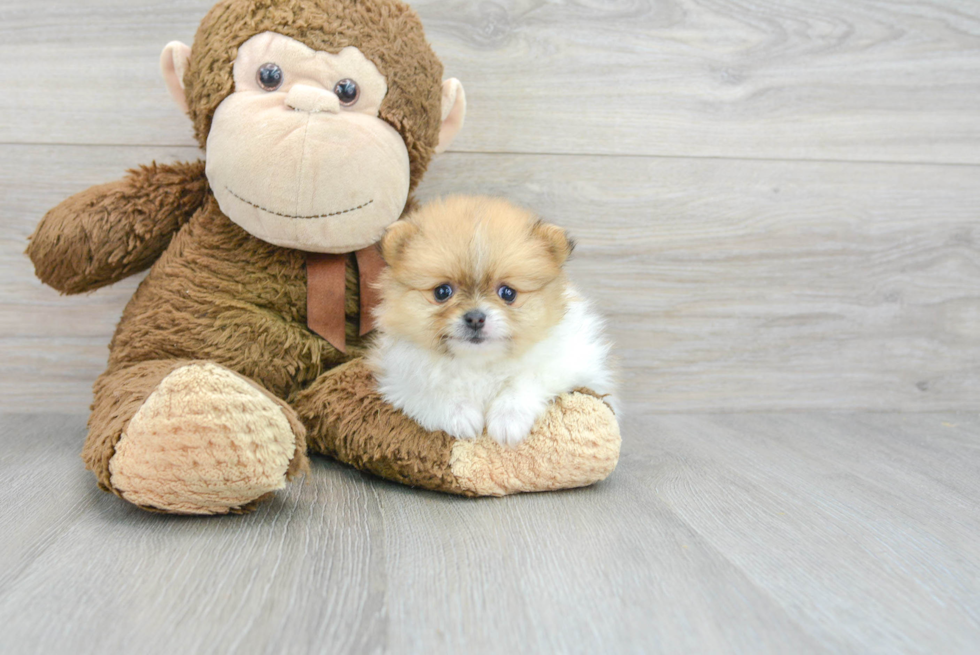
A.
x: 275, y: 213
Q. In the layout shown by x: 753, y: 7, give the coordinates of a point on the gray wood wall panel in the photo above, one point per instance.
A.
x: 870, y: 80
x: 695, y: 148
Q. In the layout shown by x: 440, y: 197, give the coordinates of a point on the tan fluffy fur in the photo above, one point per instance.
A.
x: 475, y: 244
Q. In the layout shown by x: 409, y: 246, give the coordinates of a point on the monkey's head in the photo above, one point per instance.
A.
x: 318, y: 117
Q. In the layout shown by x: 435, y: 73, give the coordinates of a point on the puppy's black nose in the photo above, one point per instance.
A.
x: 475, y: 319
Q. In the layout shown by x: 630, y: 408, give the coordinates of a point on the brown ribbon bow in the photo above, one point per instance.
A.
x: 326, y: 288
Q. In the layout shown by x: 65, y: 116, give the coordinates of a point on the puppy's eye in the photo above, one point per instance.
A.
x: 443, y: 292
x: 269, y: 76
x: 506, y: 294
x: 347, y: 92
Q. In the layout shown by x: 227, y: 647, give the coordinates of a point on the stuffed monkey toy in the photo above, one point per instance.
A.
x: 240, y: 352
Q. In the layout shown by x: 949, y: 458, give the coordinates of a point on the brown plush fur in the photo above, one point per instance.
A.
x: 216, y: 293
x: 387, y: 32
x: 111, y: 231
x: 348, y: 420
x: 220, y: 294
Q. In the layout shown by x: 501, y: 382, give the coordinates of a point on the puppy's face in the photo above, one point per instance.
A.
x: 473, y: 275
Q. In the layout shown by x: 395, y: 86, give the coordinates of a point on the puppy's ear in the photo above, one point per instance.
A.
x: 559, y: 245
x: 395, y: 240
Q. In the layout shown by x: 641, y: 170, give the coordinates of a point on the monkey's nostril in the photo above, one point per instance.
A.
x: 475, y: 319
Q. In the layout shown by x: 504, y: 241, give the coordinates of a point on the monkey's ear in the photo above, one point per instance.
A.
x: 173, y: 65
x: 453, y: 112
x: 395, y: 239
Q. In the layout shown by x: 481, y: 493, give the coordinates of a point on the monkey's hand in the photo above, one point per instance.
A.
x: 114, y: 230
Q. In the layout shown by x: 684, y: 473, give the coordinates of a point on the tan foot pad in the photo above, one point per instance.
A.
x: 574, y: 445
x: 206, y: 441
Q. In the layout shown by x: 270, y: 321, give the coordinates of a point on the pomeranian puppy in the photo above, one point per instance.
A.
x: 478, y: 325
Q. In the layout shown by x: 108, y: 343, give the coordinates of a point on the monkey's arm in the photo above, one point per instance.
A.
x: 108, y: 232
x: 575, y: 444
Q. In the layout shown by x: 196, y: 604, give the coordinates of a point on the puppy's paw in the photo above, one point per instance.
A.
x: 465, y: 422
x: 510, y: 420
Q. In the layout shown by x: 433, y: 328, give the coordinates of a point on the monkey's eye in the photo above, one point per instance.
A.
x: 269, y: 76
x: 443, y: 292
x: 506, y: 294
x: 347, y: 91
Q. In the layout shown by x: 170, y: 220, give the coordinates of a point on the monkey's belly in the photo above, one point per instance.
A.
x: 219, y: 294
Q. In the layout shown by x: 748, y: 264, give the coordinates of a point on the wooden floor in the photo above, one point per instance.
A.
x: 747, y: 533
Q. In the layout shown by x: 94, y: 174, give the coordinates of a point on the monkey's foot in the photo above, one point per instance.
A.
x: 575, y: 444
x: 206, y: 441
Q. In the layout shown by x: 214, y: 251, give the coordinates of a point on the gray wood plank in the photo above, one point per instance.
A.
x: 753, y: 285
x: 744, y: 533
x: 847, y: 521
x: 44, y: 490
x: 870, y: 80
